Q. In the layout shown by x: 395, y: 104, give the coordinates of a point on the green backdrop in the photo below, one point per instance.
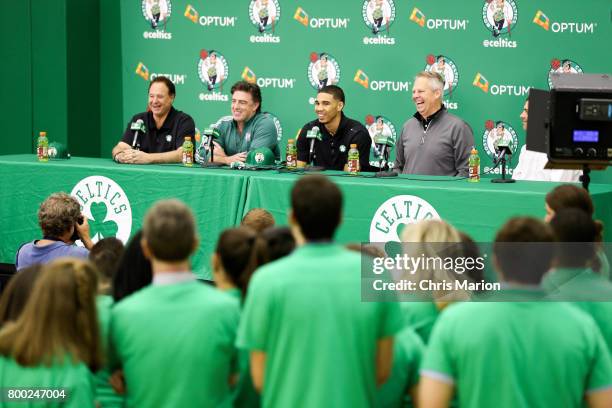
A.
x: 489, y: 75
x: 71, y: 66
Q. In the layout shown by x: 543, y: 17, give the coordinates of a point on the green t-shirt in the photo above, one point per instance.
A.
x: 76, y: 379
x: 176, y: 345
x: 259, y: 131
x: 530, y: 353
x: 105, y: 394
x: 305, y: 312
x: 420, y: 316
x: 580, y: 286
x: 245, y: 394
x: 408, y: 350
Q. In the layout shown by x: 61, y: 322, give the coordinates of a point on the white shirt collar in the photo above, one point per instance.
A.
x: 170, y: 278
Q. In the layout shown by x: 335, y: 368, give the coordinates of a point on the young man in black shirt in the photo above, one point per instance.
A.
x: 338, y: 132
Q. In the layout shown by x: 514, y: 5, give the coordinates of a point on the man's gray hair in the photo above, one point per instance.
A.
x: 436, y: 81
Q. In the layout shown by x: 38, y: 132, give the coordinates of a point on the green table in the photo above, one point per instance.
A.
x: 476, y: 208
x: 216, y: 197
x: 374, y: 209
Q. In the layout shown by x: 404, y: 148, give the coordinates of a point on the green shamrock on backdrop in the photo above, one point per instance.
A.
x: 97, y: 225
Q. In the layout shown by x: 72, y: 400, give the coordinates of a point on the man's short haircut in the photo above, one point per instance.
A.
x: 436, y: 80
x: 317, y: 207
x: 335, y: 91
x: 258, y: 219
x: 576, y: 232
x: 524, y: 263
x: 105, y: 256
x: 250, y: 88
x: 165, y: 80
x: 58, y: 214
x: 169, y: 229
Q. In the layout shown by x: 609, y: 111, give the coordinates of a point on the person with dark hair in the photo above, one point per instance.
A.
x: 433, y: 141
x: 544, y: 353
x: 16, y: 293
x: 246, y: 129
x: 574, y: 196
x: 337, y: 133
x: 105, y: 255
x: 238, y: 253
x: 572, y: 279
x: 60, y: 220
x: 164, y: 129
x: 174, y: 339
x: 55, y: 342
x: 279, y: 242
x: 133, y: 270
x: 258, y: 219
x: 304, y: 318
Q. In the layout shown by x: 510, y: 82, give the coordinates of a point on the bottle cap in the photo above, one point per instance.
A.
x: 43, y: 134
x: 188, y: 138
x: 353, y: 145
x: 474, y: 151
x: 291, y: 141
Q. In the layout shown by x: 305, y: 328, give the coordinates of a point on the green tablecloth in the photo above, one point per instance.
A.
x: 476, y: 208
x: 374, y: 209
x: 216, y: 197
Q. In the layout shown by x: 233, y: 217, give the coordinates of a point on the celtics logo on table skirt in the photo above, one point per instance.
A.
x: 212, y: 69
x: 106, y: 207
x: 157, y: 13
x: 394, y: 215
x: 563, y: 66
x: 323, y: 70
x: 496, y: 133
x: 500, y: 16
x: 446, y: 67
x: 378, y: 15
x: 264, y: 14
x: 379, y: 127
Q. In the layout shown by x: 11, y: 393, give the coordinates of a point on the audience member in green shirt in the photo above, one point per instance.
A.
x: 55, y: 342
x: 572, y: 279
x: 238, y: 253
x: 313, y: 342
x: 516, y: 350
x: 174, y: 339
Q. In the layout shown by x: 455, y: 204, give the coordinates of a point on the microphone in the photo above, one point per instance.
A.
x: 384, y: 144
x: 137, y: 126
x: 313, y: 134
x: 211, y: 133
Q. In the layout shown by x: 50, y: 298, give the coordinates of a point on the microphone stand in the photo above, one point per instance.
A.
x: 384, y: 157
x: 503, y: 178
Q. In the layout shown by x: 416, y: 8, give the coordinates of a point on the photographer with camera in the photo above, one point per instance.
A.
x: 62, y: 224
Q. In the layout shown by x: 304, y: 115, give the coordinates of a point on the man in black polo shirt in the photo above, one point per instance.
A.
x: 337, y: 131
x: 163, y: 133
